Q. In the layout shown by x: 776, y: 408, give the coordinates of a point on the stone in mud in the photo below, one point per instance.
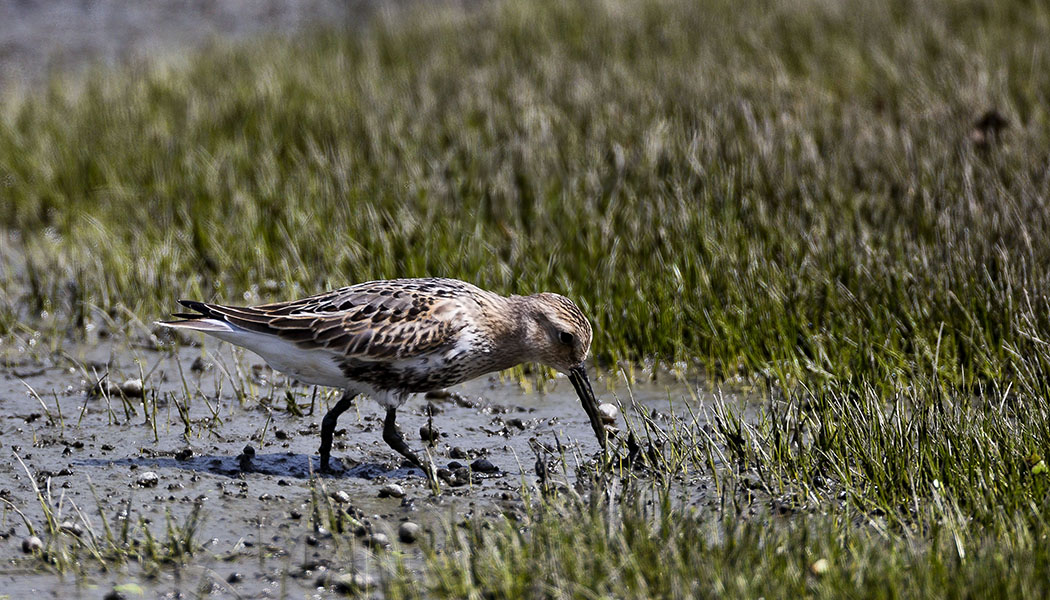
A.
x: 32, y: 544
x: 428, y: 433
x: 184, y: 454
x: 132, y: 388
x: 391, y: 490
x: 72, y: 528
x: 459, y: 477
x: 408, y: 532
x: 147, y: 480
x: 483, y: 465
x: 609, y: 413
x: 457, y: 452
x: 377, y: 541
x: 341, y: 497
x: 352, y: 584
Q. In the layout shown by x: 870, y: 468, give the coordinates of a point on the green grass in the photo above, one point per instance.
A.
x: 831, y: 495
x: 791, y: 190
x: 795, y: 193
x: 574, y: 553
x: 106, y: 541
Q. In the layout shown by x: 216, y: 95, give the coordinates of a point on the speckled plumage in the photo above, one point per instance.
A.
x: 389, y: 339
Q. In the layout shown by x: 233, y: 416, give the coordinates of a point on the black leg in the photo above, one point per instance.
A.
x: 328, y: 426
x: 393, y: 438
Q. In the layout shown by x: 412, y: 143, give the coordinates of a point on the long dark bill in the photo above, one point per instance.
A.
x: 578, y: 377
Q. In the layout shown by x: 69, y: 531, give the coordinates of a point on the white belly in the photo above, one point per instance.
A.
x: 313, y: 366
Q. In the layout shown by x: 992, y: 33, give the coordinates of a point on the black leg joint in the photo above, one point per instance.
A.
x: 328, y: 423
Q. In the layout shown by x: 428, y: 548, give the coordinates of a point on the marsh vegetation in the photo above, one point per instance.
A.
x: 837, y: 210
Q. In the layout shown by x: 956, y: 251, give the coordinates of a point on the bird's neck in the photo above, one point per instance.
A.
x: 512, y: 328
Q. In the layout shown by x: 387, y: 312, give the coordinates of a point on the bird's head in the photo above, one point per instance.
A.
x: 559, y: 336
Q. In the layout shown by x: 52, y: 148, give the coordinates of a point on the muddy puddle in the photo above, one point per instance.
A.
x: 188, y: 429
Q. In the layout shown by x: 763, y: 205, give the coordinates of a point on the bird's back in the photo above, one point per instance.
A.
x: 408, y: 335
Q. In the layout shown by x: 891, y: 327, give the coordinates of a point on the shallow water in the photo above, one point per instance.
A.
x: 257, y: 520
x: 67, y: 35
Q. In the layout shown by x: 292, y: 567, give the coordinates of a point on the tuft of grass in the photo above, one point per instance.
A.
x: 660, y: 550
x: 74, y: 543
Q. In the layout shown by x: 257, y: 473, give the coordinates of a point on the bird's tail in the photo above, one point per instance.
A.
x: 202, y: 320
x: 198, y: 324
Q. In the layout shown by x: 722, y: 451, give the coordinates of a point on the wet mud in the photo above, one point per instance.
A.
x: 153, y: 434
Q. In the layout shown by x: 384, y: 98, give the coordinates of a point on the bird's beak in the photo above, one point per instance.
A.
x: 578, y: 377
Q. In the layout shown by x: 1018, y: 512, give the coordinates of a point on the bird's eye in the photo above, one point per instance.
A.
x: 565, y: 337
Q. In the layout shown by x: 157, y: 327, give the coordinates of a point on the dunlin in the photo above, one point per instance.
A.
x: 390, y: 339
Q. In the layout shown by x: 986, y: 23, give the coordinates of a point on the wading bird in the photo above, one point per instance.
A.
x: 390, y: 339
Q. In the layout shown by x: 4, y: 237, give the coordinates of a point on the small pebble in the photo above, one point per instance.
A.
x: 32, y: 544
x: 147, y: 479
x: 377, y: 540
x: 457, y: 452
x: 341, y: 497
x: 234, y: 578
x: 408, y: 532
x: 391, y: 490
x: 459, y: 477
x: 353, y: 584
x: 428, y: 433
x: 72, y: 528
x: 609, y: 413
x: 483, y: 465
x: 820, y: 567
x: 132, y: 388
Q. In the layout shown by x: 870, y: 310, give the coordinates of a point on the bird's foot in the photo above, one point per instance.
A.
x: 331, y: 466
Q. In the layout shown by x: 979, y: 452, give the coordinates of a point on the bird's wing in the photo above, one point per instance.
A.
x: 380, y: 320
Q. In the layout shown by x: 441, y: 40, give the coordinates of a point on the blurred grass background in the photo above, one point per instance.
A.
x: 792, y: 189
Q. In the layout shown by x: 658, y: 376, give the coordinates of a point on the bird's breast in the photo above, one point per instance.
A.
x: 410, y: 376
